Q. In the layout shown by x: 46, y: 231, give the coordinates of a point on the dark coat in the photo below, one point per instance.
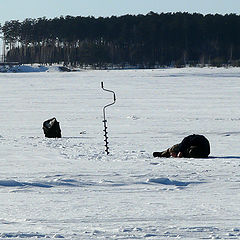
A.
x: 196, y: 146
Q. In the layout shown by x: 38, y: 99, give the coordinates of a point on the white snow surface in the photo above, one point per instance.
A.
x: 69, y: 188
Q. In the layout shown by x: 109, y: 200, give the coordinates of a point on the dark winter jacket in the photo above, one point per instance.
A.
x: 195, y: 146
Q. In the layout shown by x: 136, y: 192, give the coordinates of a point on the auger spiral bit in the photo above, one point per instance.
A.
x: 105, y: 120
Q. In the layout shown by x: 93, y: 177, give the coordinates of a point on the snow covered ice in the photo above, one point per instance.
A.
x: 69, y: 188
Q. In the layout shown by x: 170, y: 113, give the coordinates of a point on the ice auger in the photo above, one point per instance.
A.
x: 104, y: 118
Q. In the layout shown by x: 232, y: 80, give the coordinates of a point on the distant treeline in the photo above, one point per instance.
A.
x: 172, y: 39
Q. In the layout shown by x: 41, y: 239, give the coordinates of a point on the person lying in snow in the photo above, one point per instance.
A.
x: 192, y: 146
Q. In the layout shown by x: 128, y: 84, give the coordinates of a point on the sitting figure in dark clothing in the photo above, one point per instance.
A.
x: 51, y: 128
x: 192, y: 146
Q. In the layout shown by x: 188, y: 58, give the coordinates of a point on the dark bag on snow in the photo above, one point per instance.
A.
x: 51, y: 128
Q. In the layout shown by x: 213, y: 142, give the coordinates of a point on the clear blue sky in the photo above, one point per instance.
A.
x: 22, y: 9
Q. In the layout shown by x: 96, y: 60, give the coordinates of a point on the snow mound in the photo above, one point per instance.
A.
x: 133, y: 117
x: 32, y: 68
x: 23, y: 235
x: 167, y: 181
x: 22, y: 68
x: 10, y: 183
x: 47, y: 184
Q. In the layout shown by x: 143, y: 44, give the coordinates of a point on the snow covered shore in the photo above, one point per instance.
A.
x: 8, y: 68
x: 69, y: 188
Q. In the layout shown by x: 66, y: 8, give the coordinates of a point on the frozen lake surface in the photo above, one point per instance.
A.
x: 69, y: 188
